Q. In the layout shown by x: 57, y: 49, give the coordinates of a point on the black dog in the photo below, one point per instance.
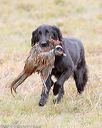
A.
x: 72, y: 64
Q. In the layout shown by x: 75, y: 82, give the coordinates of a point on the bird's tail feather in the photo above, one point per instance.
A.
x: 19, y: 80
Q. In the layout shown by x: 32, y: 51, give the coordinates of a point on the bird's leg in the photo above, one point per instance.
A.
x: 44, y: 84
x: 45, y: 94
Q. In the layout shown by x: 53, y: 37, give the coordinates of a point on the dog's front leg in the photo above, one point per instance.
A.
x: 45, y: 93
x: 59, y: 84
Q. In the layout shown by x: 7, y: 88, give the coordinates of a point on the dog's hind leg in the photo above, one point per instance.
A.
x: 80, y: 76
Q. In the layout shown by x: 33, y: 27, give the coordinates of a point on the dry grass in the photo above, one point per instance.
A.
x: 82, y: 19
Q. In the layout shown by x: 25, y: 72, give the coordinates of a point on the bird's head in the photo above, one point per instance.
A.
x: 59, y: 51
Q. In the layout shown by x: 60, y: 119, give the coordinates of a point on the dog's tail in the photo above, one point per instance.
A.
x: 19, y: 80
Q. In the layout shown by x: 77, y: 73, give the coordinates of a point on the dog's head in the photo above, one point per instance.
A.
x: 44, y: 33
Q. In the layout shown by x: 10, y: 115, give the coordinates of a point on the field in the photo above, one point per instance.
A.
x: 81, y: 19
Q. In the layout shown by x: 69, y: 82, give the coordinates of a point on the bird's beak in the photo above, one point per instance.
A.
x: 64, y: 54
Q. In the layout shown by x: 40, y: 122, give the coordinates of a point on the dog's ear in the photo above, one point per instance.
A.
x: 34, y: 38
x: 57, y: 30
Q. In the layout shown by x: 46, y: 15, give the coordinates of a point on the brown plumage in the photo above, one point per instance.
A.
x: 55, y: 42
x: 40, y: 60
x: 36, y: 62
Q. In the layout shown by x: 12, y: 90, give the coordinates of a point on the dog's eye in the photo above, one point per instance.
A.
x: 54, y: 35
x: 40, y: 33
x: 47, y: 31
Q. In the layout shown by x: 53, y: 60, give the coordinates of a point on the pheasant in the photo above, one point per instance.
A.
x: 54, y: 42
x: 40, y: 60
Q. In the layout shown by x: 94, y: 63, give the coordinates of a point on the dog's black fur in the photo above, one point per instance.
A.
x: 65, y: 66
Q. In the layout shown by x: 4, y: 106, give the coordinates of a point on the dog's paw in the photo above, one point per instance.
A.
x: 42, y: 101
x: 57, y: 99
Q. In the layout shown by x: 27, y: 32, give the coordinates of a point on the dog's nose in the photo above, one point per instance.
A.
x: 44, y: 44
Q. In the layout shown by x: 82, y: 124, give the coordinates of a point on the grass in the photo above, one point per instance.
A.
x: 81, y: 19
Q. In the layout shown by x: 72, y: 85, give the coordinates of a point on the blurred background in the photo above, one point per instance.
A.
x: 81, y: 19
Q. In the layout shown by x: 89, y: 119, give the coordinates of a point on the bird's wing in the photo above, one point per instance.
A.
x: 33, y: 56
x: 45, y: 59
x: 46, y: 71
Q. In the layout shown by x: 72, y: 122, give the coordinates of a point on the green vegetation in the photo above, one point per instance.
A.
x: 81, y: 19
